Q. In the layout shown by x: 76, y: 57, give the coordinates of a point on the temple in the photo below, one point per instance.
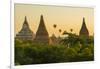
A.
x: 42, y: 35
x: 53, y: 40
x: 25, y: 33
x: 84, y: 30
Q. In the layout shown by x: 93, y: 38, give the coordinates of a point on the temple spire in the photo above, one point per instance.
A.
x: 84, y: 22
x: 42, y: 35
x: 41, y: 16
x: 25, y: 20
x: 84, y: 30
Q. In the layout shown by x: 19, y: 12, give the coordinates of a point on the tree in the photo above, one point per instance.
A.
x: 71, y: 40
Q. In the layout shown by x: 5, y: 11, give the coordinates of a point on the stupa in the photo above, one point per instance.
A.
x: 25, y: 33
x: 84, y: 30
x: 42, y: 35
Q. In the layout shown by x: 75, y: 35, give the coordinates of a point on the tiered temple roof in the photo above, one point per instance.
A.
x: 25, y: 33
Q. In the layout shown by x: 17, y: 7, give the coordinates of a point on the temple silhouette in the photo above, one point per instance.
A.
x: 84, y: 31
x: 25, y: 33
x: 53, y: 40
x: 42, y: 35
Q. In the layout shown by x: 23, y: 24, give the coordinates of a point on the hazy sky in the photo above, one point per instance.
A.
x: 64, y: 17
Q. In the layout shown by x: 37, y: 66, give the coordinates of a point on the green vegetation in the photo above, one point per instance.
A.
x: 71, y: 49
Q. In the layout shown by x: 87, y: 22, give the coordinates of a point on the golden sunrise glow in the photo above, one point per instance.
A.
x: 64, y: 17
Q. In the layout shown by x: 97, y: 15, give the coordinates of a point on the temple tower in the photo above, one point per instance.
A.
x: 42, y: 35
x: 25, y: 33
x: 53, y: 39
x: 84, y: 30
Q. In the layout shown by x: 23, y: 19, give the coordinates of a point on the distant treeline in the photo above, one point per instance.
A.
x: 27, y: 52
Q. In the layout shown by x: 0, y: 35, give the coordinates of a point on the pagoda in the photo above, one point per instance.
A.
x: 84, y: 30
x: 25, y: 33
x: 42, y: 35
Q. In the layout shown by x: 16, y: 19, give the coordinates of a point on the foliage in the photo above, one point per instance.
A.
x: 73, y: 39
x: 27, y: 52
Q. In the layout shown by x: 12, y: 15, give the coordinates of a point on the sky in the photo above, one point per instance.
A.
x: 64, y: 17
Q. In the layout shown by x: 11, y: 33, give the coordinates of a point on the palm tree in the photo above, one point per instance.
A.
x: 71, y: 40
